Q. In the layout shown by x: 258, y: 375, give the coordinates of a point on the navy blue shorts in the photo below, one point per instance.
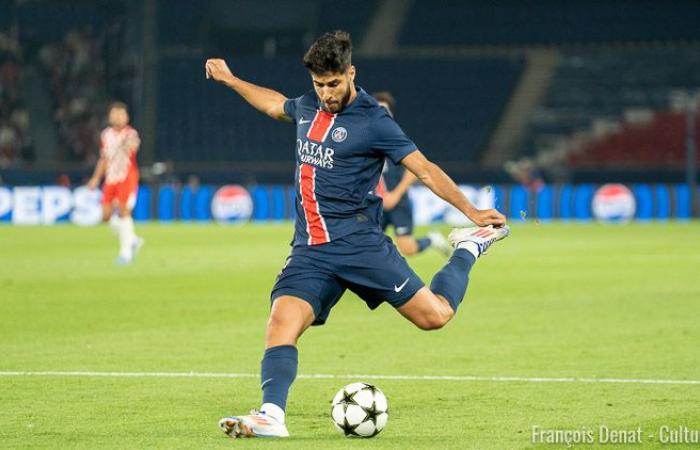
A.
x: 401, y: 217
x: 365, y: 262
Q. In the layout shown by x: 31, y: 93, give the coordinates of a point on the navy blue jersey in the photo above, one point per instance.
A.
x: 391, y: 176
x: 339, y: 161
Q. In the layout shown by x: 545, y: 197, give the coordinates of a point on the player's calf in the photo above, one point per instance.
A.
x: 452, y: 280
x: 434, y: 321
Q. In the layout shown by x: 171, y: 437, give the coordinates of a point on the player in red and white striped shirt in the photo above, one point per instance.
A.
x: 119, y: 144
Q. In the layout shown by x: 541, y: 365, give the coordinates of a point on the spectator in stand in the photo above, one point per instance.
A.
x: 14, y: 120
x: 79, y: 91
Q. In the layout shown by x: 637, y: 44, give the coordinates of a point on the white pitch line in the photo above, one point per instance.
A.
x: 349, y: 376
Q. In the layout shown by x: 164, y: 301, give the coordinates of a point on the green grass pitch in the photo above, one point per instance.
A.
x: 553, y: 300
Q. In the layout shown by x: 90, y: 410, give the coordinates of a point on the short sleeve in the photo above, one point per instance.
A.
x: 290, y: 107
x: 390, y: 140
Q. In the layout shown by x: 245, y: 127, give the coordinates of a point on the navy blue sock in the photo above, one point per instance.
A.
x: 452, y: 280
x: 277, y: 372
x: 423, y: 243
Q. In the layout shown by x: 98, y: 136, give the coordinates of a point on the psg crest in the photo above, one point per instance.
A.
x: 339, y: 134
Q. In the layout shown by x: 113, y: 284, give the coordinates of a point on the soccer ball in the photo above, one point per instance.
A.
x: 360, y: 409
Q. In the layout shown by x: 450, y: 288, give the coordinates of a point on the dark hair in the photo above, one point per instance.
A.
x: 386, y: 97
x: 331, y: 53
x: 118, y: 105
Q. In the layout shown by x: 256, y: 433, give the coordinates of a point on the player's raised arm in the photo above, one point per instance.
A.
x: 265, y: 100
x: 442, y: 185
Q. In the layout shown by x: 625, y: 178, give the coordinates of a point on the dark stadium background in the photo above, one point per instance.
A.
x: 498, y: 91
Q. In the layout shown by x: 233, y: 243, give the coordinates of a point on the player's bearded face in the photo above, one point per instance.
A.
x: 334, y: 90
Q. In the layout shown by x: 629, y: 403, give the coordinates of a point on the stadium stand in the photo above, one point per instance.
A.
x: 79, y: 96
x: 72, y: 45
x: 188, y: 17
x: 548, y: 22
x: 200, y: 121
x: 49, y: 20
x: 659, y: 142
x: 15, y: 141
x: 604, y: 92
x: 234, y: 26
x: 454, y: 67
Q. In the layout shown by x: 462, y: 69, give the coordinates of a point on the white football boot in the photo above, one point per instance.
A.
x: 257, y: 424
x: 482, y: 237
x: 438, y: 242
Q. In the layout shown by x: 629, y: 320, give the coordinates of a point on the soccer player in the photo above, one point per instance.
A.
x: 117, y: 164
x: 398, y: 211
x: 343, y: 136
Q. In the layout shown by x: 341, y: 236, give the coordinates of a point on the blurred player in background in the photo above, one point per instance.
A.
x: 398, y: 210
x: 343, y: 138
x: 119, y: 143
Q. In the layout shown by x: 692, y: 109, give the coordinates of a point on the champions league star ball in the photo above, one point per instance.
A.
x: 360, y: 410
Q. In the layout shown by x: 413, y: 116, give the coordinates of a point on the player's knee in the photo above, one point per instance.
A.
x: 281, y: 323
x: 282, y: 330
x: 277, y: 322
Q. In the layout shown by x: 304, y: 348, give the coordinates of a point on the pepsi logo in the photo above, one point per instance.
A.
x: 613, y: 203
x: 231, y: 204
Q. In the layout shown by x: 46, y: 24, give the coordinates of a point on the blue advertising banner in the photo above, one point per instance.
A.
x: 46, y: 205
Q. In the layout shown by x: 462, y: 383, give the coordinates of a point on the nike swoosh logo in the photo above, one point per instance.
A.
x: 302, y: 121
x: 265, y: 382
x: 398, y: 288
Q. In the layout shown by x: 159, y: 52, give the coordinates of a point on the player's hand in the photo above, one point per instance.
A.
x: 484, y: 217
x: 217, y: 70
x: 92, y: 184
x: 390, y: 200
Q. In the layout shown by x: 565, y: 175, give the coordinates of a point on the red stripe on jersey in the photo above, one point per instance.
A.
x: 315, y: 225
x: 321, y: 125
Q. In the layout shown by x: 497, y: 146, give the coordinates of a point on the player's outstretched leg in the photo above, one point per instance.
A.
x: 432, y: 308
x: 289, y: 317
